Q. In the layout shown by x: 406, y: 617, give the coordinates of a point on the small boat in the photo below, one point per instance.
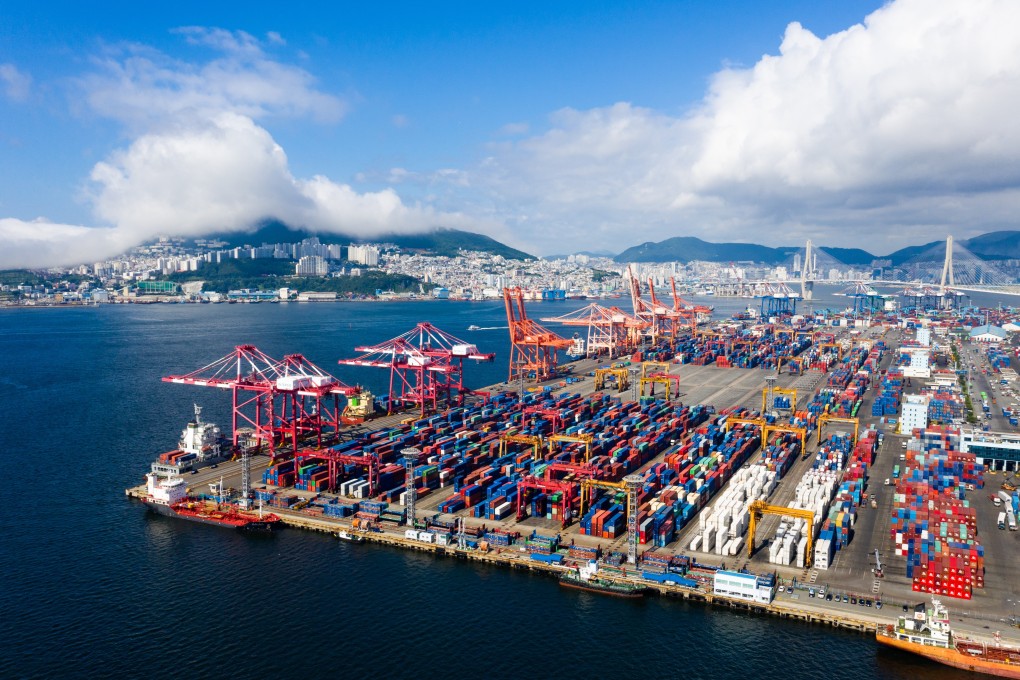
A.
x: 473, y: 327
x: 927, y: 633
x: 586, y: 578
x: 348, y: 536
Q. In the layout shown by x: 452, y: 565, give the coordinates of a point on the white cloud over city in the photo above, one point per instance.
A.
x: 200, y: 162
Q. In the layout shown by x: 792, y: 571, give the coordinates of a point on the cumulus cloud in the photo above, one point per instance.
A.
x: 142, y: 87
x: 226, y: 174
x: 892, y: 129
x: 41, y: 243
x: 16, y: 84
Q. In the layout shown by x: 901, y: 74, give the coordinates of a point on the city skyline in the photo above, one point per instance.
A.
x: 592, y: 125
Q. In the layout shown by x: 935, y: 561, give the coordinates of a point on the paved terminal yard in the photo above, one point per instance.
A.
x: 852, y: 568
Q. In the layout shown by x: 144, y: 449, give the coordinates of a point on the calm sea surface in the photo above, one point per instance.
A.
x: 93, y: 586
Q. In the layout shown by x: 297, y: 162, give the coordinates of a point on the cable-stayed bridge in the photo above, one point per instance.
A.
x: 944, y: 272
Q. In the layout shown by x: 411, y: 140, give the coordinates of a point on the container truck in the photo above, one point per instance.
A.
x: 1002, y: 520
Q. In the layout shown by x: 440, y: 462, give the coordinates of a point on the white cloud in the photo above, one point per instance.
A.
x: 226, y: 174
x: 142, y: 87
x: 16, y: 84
x: 885, y: 131
x: 41, y: 243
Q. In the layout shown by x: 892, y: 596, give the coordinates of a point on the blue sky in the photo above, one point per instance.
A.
x: 543, y: 124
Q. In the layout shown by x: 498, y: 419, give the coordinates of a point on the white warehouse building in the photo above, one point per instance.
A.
x: 750, y: 587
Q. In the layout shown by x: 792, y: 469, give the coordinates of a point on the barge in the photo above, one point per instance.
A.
x: 586, y: 578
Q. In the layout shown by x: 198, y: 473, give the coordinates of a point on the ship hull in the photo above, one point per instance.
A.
x: 602, y: 589
x: 223, y: 521
x: 954, y: 658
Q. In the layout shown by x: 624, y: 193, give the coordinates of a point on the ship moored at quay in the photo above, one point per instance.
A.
x: 573, y: 469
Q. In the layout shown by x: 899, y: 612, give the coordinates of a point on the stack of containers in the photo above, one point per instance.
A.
x: 722, y: 529
x: 781, y: 452
x: 790, y: 543
x: 997, y: 358
x: 281, y: 474
x: 887, y: 403
x: 544, y: 545
x: 944, y: 405
x: 933, y: 525
x: 837, y: 528
x: 814, y: 492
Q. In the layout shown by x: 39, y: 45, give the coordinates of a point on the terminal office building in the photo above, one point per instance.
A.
x: 995, y: 450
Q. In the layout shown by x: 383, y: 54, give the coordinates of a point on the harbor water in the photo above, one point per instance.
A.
x: 93, y: 586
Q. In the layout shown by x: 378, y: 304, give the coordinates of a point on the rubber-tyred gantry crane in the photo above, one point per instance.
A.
x: 533, y: 347
x: 426, y: 367
x: 825, y: 418
x: 283, y: 401
x: 758, y: 508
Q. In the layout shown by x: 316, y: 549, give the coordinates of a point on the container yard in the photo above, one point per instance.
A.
x: 795, y: 475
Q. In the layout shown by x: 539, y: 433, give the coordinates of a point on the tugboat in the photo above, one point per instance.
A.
x: 927, y: 633
x: 586, y: 578
x: 170, y: 497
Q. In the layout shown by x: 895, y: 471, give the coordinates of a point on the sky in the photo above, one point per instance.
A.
x: 553, y: 127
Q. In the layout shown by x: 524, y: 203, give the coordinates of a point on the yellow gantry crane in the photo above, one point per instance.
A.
x: 631, y: 485
x: 833, y: 345
x: 767, y: 429
x: 588, y: 484
x: 826, y: 418
x: 603, y: 374
x: 657, y: 372
x: 581, y: 438
x: 759, y: 508
x: 534, y: 440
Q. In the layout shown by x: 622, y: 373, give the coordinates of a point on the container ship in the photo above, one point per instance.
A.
x: 170, y: 497
x: 928, y: 634
x: 585, y: 578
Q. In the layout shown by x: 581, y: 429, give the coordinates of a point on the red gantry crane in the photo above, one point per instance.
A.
x: 426, y: 367
x: 283, y: 401
x: 532, y: 347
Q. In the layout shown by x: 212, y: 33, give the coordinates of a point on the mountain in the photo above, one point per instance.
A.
x: 996, y: 245
x: 436, y: 242
x: 910, y: 252
x: 851, y: 256
x: 688, y: 248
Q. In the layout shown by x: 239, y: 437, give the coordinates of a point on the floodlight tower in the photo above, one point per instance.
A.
x: 410, y: 456
x: 633, y: 484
